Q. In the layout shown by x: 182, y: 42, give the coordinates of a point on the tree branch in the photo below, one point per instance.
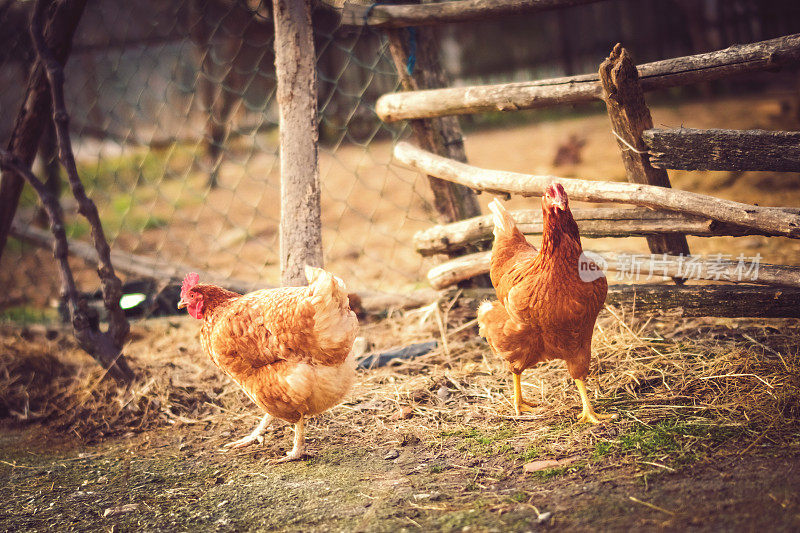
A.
x: 105, y: 347
x: 35, y: 109
x: 86, y: 328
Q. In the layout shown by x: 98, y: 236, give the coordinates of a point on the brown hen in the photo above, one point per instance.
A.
x: 548, y: 300
x: 289, y: 349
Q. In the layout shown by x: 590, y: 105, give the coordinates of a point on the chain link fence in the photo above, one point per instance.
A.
x: 174, y: 122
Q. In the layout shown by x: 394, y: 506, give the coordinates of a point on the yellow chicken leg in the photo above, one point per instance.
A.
x: 588, y: 414
x: 520, y: 405
x: 299, y: 449
x: 255, y: 436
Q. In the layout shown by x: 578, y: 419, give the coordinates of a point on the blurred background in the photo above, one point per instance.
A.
x: 174, y: 124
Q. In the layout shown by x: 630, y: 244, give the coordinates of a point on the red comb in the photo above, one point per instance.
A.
x: 191, y: 279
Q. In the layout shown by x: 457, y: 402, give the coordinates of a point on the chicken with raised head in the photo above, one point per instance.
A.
x: 289, y: 349
x: 548, y: 300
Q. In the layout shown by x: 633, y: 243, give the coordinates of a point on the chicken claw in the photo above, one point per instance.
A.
x: 299, y: 449
x: 520, y: 405
x: 588, y: 414
x: 593, y: 417
x: 255, y: 436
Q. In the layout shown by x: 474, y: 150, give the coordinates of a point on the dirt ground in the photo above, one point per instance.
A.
x: 706, y: 436
x: 181, y: 481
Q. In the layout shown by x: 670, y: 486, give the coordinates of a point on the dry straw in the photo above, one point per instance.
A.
x: 722, y: 373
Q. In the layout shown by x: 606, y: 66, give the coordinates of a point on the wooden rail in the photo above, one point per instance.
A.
x: 764, y: 55
x: 721, y: 300
x: 402, y: 15
x: 766, y: 220
x: 592, y: 222
x: 691, y: 149
x: 639, y: 266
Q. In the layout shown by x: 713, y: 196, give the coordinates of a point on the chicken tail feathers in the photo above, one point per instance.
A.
x: 485, y: 308
x: 503, y: 222
x: 334, y: 322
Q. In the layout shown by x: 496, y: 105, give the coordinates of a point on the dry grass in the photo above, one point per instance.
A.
x: 680, y: 389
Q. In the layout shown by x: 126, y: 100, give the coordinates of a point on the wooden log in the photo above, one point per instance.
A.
x: 730, y: 301
x: 295, y: 65
x: 738, y: 59
x: 442, y: 136
x: 768, y: 221
x: 691, y: 149
x: 641, y: 267
x: 629, y: 118
x: 173, y: 273
x: 592, y: 222
x: 398, y: 16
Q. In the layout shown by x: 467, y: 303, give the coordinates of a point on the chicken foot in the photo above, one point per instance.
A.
x: 256, y: 435
x: 588, y: 414
x: 520, y: 405
x: 299, y: 449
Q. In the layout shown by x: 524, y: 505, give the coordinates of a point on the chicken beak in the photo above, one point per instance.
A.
x: 182, y: 303
x: 558, y: 203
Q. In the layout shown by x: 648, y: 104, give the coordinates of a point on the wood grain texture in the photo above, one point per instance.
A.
x: 716, y: 149
x: 723, y: 300
x: 295, y: 65
x: 592, y: 222
x: 630, y: 116
x: 442, y: 136
x: 764, y: 55
x: 643, y: 267
x: 767, y: 220
x: 398, y: 16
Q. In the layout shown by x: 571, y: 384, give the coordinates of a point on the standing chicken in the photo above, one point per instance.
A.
x: 548, y: 300
x: 290, y: 349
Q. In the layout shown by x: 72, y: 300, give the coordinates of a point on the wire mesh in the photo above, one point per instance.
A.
x: 174, y: 123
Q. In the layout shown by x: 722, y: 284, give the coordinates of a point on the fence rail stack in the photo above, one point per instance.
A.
x: 646, y: 153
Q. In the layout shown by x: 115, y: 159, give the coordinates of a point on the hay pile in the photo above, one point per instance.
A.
x: 724, y: 380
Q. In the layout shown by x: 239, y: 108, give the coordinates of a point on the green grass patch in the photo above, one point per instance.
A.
x: 28, y: 315
x: 520, y: 497
x: 549, y: 473
x: 482, y: 443
x: 673, y: 441
x: 531, y: 452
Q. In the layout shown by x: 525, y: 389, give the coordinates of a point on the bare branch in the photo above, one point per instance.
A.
x: 592, y: 222
x: 726, y: 300
x: 105, y: 347
x: 91, y: 339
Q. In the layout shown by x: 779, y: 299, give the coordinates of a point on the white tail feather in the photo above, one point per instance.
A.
x: 334, y: 323
x: 497, y: 210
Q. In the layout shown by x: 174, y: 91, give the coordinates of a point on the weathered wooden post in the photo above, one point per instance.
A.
x: 629, y: 118
x: 416, y: 57
x: 300, y: 227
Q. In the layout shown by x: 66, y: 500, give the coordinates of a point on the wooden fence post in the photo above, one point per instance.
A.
x: 416, y: 57
x: 295, y: 65
x: 630, y: 116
